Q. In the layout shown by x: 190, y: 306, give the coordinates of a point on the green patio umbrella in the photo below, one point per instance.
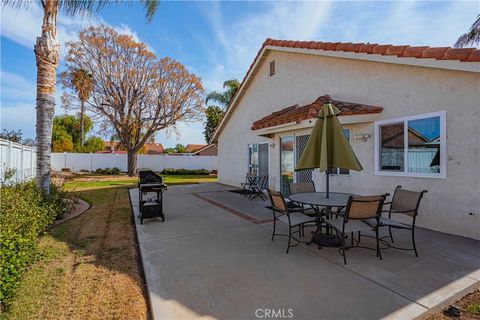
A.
x: 328, y: 148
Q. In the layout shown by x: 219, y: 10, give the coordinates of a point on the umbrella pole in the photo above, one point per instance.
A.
x: 328, y: 185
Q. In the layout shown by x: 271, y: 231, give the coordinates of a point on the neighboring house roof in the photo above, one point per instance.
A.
x: 206, y: 147
x: 111, y: 151
x: 154, y: 148
x: 465, y: 59
x: 297, y: 113
x: 150, y: 148
x: 191, y: 148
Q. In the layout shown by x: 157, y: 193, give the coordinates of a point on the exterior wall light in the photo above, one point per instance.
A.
x: 364, y: 136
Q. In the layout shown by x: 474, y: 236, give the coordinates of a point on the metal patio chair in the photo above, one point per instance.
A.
x: 293, y: 218
x: 250, y: 179
x: 405, y: 202
x: 358, y: 209
x: 257, y: 191
x: 301, y: 187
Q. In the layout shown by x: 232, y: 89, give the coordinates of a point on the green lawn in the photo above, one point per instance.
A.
x: 87, y: 268
x: 83, y: 182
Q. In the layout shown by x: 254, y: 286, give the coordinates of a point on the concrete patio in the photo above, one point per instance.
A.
x: 213, y: 258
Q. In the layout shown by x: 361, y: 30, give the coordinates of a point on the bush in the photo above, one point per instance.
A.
x: 26, y: 213
x: 108, y: 171
x: 173, y: 171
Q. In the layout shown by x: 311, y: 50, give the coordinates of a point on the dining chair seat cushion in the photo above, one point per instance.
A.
x: 296, y: 219
x: 351, y: 225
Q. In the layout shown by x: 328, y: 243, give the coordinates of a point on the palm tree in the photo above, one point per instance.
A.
x: 82, y: 82
x: 472, y: 37
x: 224, y: 97
x: 46, y: 55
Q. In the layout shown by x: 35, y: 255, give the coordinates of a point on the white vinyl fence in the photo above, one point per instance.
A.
x: 18, y: 157
x: 93, y: 161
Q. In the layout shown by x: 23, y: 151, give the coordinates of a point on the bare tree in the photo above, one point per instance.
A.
x: 46, y: 56
x: 134, y: 93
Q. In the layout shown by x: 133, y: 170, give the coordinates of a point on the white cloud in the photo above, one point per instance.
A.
x: 18, y: 116
x: 283, y: 20
x: 24, y: 26
x: 16, y: 88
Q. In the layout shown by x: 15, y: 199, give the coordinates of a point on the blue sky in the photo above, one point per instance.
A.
x: 218, y: 40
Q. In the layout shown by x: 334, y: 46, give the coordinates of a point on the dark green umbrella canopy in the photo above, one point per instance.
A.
x: 328, y: 148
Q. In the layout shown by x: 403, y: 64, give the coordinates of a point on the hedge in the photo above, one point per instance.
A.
x: 112, y: 171
x: 173, y: 171
x: 25, y: 214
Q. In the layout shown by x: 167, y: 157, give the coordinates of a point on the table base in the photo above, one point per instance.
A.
x: 328, y: 240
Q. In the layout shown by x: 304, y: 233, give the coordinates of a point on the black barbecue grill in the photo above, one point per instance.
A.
x: 151, y: 206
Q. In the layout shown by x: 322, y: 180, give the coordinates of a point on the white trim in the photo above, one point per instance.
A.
x: 422, y: 62
x: 443, y: 146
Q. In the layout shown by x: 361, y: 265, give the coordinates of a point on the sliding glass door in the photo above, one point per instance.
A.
x: 253, y: 159
x: 258, y: 161
x: 287, y: 163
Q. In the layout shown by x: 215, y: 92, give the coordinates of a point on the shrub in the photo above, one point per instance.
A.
x: 108, y: 171
x: 173, y: 171
x: 26, y: 213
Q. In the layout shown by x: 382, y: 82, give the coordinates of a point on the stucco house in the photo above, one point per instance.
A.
x: 412, y: 115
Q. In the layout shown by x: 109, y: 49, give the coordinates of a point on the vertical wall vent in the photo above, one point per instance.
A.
x: 272, y: 68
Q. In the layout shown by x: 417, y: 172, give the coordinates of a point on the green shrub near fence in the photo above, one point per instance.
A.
x: 173, y: 171
x: 25, y: 214
x: 108, y: 171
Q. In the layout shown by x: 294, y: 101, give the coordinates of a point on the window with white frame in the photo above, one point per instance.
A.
x: 413, y: 146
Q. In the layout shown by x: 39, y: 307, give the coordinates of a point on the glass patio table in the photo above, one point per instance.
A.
x: 319, y: 199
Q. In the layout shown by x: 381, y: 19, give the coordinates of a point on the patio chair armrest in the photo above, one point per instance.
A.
x: 403, y: 211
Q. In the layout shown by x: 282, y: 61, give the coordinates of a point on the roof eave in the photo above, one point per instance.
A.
x: 393, y: 59
x: 308, y: 123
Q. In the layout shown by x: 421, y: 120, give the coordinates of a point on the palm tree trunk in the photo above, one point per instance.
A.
x: 46, y: 55
x: 81, y: 123
x: 131, y: 162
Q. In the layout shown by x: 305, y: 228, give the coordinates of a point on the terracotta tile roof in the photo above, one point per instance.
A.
x: 298, y: 113
x: 150, y: 148
x: 190, y: 148
x: 405, y: 51
x: 422, y: 52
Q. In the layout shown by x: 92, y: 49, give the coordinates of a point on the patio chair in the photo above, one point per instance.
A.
x: 358, y: 209
x: 301, y: 187
x: 257, y: 190
x: 250, y: 179
x: 293, y: 218
x: 405, y: 202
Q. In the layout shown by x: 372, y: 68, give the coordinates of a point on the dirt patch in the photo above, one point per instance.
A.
x: 469, y: 307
